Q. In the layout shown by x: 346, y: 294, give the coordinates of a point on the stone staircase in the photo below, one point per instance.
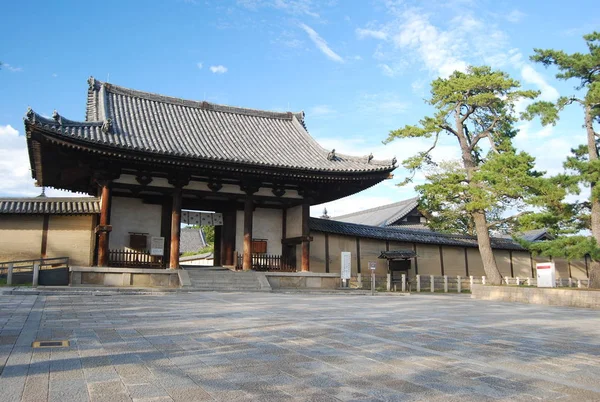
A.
x: 224, y: 280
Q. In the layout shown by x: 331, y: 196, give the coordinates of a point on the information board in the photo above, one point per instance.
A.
x: 346, y: 271
x: 372, y: 265
x: 157, y: 245
x: 546, y: 275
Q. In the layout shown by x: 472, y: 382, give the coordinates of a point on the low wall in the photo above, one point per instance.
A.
x: 123, y: 277
x: 303, y: 280
x: 548, y: 296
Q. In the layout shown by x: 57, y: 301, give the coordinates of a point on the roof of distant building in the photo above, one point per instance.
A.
x: 405, y: 235
x: 50, y: 205
x: 384, y: 215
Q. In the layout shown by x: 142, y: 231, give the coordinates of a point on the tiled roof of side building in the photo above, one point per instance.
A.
x: 126, y: 119
x: 402, y: 235
x: 381, y: 216
x: 50, y: 205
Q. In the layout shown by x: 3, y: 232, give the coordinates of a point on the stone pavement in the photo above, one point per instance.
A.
x: 301, y: 347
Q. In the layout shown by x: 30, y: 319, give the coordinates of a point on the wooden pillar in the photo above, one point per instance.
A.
x: 165, y: 229
x: 45, y: 235
x: 416, y: 259
x: 466, y: 262
x: 248, y: 212
x: 305, y: 235
x: 175, y: 228
x: 103, y: 229
x: 441, y: 259
x: 358, y: 255
x: 217, y: 246
x: 512, y: 269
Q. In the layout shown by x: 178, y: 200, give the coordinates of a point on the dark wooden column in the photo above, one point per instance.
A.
x: 305, y: 237
x: 165, y: 228
x: 217, y: 246
x: 228, y: 237
x: 178, y: 182
x: 175, y: 229
x: 104, y: 228
x: 248, y: 212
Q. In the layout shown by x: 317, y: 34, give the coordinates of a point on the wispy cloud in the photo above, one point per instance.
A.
x: 370, y: 33
x: 321, y: 44
x: 515, y: 16
x: 321, y: 110
x: 549, y: 93
x: 199, y: 65
x: 387, y: 70
x: 12, y: 69
x: 218, y: 69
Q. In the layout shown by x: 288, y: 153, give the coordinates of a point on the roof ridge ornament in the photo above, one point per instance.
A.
x: 370, y: 157
x: 57, y: 117
x: 331, y: 155
x: 92, y: 83
x: 394, y: 160
x: 29, y: 115
x: 107, y: 126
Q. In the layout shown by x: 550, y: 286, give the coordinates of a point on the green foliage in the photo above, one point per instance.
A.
x: 209, y: 233
x: 570, y: 222
x: 208, y: 249
x: 477, y: 109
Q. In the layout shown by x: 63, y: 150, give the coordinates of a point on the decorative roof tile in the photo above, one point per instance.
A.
x: 49, y: 205
x: 122, y: 118
x: 397, y: 233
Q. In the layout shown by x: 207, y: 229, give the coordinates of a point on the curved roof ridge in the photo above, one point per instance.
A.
x: 152, y: 96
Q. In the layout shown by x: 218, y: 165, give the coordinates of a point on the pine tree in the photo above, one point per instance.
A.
x: 476, y: 108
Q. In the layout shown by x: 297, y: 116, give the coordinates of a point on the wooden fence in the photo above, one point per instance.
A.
x: 266, y: 263
x: 134, y: 259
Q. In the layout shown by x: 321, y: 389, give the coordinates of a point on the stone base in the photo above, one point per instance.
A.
x: 547, y: 296
x: 125, y: 277
x: 302, y: 280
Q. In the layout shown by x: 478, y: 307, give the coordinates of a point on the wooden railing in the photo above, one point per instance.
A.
x: 266, y: 263
x: 134, y: 259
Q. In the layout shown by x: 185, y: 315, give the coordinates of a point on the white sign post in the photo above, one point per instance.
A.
x: 346, y: 271
x: 546, y: 275
x: 372, y: 267
x: 157, y: 246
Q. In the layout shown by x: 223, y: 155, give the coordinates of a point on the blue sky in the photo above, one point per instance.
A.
x: 357, y: 68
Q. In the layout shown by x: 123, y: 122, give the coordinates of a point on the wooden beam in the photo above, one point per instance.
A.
x: 175, y: 229
x: 358, y: 255
x: 441, y: 259
x: 305, y: 233
x: 326, y: 252
x: 248, y: 212
x: 45, y: 235
x: 104, y: 225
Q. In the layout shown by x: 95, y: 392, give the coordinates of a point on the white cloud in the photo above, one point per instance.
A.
x: 353, y: 203
x: 515, y: 16
x: 549, y: 93
x: 199, y: 65
x: 387, y: 70
x: 370, y: 33
x: 321, y: 110
x: 321, y: 44
x: 10, y: 68
x: 218, y: 69
x: 382, y: 104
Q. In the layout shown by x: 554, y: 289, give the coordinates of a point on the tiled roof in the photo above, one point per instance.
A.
x: 49, y: 205
x: 397, y: 254
x: 126, y: 119
x: 399, y: 234
x: 384, y: 215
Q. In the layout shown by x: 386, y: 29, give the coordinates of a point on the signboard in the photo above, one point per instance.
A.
x: 217, y: 219
x: 546, y: 275
x: 157, y: 246
x: 372, y: 265
x: 346, y: 271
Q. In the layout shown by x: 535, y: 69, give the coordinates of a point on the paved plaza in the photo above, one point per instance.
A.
x: 301, y: 347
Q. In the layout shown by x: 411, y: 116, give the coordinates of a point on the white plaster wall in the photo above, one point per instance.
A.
x: 132, y: 215
x: 266, y: 224
x: 294, y: 222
